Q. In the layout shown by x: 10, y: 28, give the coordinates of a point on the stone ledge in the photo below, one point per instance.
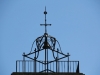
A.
x: 32, y: 73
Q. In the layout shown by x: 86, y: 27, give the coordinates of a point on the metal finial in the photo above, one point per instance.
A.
x: 45, y: 12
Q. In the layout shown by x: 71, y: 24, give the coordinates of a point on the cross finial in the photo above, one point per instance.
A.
x: 45, y: 12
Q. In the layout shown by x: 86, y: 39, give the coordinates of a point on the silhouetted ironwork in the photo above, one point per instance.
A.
x: 45, y: 12
x: 46, y: 42
x: 60, y: 66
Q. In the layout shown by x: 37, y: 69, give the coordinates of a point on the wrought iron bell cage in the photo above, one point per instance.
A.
x: 46, y: 42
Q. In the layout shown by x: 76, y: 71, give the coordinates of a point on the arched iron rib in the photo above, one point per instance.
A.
x: 59, y: 46
x: 32, y: 46
x: 38, y: 43
x: 53, y: 47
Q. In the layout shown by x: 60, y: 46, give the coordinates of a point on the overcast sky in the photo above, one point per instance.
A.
x: 75, y: 24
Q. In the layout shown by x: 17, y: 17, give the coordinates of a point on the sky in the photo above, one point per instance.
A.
x: 75, y: 24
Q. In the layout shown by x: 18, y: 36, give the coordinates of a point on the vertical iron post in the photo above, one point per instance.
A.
x: 24, y: 66
x: 34, y: 64
x: 58, y: 58
x: 47, y: 61
x: 68, y: 62
x: 56, y: 64
x: 77, y: 70
x: 16, y: 66
x: 35, y: 61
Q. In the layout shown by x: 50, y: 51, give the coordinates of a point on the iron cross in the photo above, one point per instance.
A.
x: 45, y: 22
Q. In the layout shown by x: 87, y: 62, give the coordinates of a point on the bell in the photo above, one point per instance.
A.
x: 46, y: 45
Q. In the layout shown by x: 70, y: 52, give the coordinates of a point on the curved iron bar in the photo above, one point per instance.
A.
x: 53, y: 55
x: 41, y: 40
x: 53, y: 42
x: 32, y: 45
x: 59, y: 46
x: 53, y: 47
x: 34, y: 41
x: 57, y: 42
x: 39, y: 45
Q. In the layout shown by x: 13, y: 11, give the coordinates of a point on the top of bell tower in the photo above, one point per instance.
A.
x: 51, y: 49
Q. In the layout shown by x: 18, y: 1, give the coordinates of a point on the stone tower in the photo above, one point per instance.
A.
x: 34, y: 66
